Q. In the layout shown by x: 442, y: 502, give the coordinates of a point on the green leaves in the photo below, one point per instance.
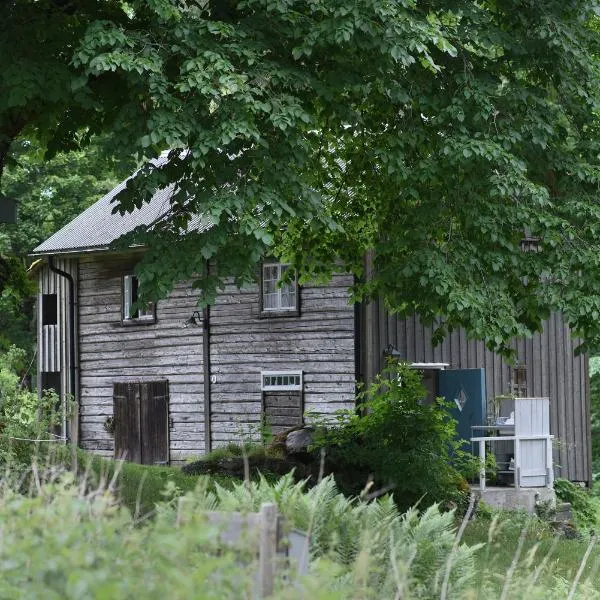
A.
x: 437, y: 135
x: 394, y: 437
x: 50, y: 194
x: 23, y: 413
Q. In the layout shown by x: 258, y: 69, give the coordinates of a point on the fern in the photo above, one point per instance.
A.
x: 66, y: 532
x: 373, y: 545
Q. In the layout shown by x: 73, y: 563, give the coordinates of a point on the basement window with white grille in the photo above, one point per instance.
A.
x: 273, y: 381
x: 131, y: 314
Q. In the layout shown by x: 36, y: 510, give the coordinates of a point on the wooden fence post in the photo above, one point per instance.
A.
x: 267, y: 523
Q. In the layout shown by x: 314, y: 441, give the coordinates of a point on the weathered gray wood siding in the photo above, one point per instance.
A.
x: 320, y: 342
x: 552, y: 370
x: 111, y: 351
x: 53, y: 354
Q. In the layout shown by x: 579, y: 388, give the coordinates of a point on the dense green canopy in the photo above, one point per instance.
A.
x: 438, y: 134
x: 50, y: 193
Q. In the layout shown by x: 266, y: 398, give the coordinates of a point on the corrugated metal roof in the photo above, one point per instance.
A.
x: 97, y: 227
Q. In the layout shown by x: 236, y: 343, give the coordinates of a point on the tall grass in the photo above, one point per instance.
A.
x: 62, y: 537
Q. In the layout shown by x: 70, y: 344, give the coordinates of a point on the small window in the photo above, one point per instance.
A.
x: 281, y: 380
x: 130, y: 297
x: 49, y: 309
x: 276, y: 297
x: 51, y: 382
x: 519, y: 381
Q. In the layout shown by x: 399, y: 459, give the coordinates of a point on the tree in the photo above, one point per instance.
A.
x: 435, y: 134
x: 53, y: 192
x: 50, y: 194
x: 39, y: 87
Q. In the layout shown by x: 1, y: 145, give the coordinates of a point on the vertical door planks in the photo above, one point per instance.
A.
x: 141, y: 419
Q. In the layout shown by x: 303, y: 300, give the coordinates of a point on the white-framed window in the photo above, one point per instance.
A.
x: 130, y: 297
x: 277, y: 297
x: 273, y: 381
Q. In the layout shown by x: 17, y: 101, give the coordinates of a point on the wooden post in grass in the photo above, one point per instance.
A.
x: 278, y: 546
x: 267, y: 549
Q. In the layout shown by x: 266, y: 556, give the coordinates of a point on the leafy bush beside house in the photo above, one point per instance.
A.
x: 585, y: 507
x: 398, y: 441
x: 24, y: 416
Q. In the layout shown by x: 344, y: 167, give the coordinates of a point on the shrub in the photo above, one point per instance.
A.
x: 24, y: 416
x: 399, y: 441
x: 581, y: 501
x: 65, y: 544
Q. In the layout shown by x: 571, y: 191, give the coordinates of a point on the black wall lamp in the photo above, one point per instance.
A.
x: 392, y: 352
x: 196, y: 319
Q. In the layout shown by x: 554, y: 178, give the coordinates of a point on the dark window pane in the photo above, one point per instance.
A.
x: 51, y: 381
x: 134, y: 289
x: 49, y: 309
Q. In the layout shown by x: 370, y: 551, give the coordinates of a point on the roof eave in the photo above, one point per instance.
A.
x: 80, y: 251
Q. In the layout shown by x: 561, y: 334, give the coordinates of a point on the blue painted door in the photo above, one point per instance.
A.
x: 465, y: 390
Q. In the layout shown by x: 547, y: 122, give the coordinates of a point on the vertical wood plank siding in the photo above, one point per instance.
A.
x: 552, y: 370
x: 53, y: 340
x: 320, y: 342
x: 126, y: 414
x: 154, y: 422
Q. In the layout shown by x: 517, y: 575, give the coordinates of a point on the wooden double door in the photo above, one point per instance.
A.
x: 141, y: 421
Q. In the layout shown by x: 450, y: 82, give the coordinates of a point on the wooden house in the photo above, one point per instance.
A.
x: 172, y: 381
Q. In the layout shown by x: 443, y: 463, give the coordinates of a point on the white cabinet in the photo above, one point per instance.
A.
x: 532, y: 442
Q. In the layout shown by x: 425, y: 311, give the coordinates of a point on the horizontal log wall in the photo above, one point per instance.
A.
x: 320, y: 342
x: 552, y: 370
x: 171, y: 348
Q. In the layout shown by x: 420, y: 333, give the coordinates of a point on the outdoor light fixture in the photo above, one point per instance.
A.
x: 196, y: 319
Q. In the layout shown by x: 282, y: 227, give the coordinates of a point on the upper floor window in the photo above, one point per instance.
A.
x: 278, y: 297
x: 130, y: 296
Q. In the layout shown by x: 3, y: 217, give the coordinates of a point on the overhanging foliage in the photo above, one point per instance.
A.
x: 437, y: 134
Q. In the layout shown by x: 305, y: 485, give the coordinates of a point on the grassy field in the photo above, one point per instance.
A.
x: 139, y: 487
x: 523, y: 548
x: 516, y: 549
x: 518, y: 556
x: 509, y: 538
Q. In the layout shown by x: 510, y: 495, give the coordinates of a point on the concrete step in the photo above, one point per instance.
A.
x: 511, y: 498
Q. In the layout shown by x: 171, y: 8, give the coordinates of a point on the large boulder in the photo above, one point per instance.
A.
x: 299, y: 440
